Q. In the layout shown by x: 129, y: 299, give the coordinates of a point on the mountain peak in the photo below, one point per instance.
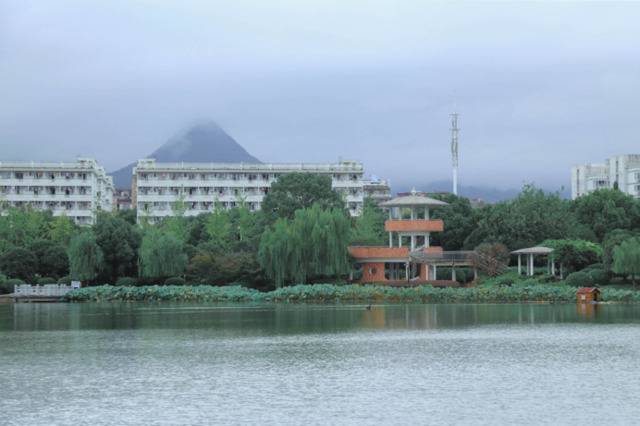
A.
x: 204, y: 141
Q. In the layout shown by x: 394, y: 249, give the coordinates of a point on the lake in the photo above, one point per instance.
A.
x: 126, y: 363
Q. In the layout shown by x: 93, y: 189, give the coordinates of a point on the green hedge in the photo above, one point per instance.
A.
x: 329, y: 293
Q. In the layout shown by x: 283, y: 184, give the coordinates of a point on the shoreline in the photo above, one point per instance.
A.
x: 329, y: 293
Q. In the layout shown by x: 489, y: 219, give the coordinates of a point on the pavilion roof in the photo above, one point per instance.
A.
x: 533, y: 250
x: 413, y: 200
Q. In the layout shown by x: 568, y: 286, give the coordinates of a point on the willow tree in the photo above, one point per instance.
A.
x: 85, y: 257
x: 313, y: 244
x: 161, y: 255
x: 626, y: 259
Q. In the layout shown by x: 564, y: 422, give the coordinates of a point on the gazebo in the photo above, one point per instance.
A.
x: 530, y: 253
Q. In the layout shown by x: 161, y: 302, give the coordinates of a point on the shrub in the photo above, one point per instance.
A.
x: 593, y: 266
x: 65, y: 280
x: 598, y: 276
x: 7, y: 286
x: 175, y: 281
x: 579, y: 279
x: 46, y: 280
x: 126, y: 282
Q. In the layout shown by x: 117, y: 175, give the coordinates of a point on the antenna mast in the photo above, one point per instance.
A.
x: 454, y: 150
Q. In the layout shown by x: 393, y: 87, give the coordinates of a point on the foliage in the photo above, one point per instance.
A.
x: 313, y: 244
x: 65, y: 280
x: 18, y: 262
x: 206, y: 268
x: 460, y: 221
x: 61, y: 229
x: 126, y: 282
x: 369, y: 226
x: 161, y: 255
x: 626, y: 259
x: 219, y: 230
x: 574, y: 254
x: 51, y: 258
x: 611, y: 241
x: 19, y: 227
x: 492, y: 258
x: 607, y: 209
x: 528, y: 219
x: 597, y: 276
x: 46, y: 280
x: 7, y: 286
x: 119, y: 241
x: 525, y: 291
x: 85, y: 257
x: 175, y: 281
x: 579, y: 279
x: 296, y: 191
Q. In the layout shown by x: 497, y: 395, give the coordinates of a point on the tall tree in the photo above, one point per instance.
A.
x: 85, y: 257
x: 161, y: 255
x: 18, y: 262
x: 626, y: 259
x: 607, y: 209
x: 119, y: 241
x: 52, y: 260
x: 369, y: 226
x: 612, y: 240
x: 61, y: 229
x: 460, y: 221
x: 296, y: 191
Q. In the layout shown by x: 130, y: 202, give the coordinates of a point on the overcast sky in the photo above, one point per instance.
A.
x: 539, y: 86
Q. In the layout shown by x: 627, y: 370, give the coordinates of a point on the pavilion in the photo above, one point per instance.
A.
x: 530, y: 253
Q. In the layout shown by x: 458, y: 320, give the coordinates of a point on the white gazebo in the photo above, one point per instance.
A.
x: 530, y: 253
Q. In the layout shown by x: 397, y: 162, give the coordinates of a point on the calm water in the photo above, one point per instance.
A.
x: 69, y: 364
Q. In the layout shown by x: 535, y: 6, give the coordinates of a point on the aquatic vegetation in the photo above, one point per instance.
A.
x: 527, y: 291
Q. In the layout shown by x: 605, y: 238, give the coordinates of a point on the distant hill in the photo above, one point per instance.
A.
x: 484, y: 193
x: 204, y: 142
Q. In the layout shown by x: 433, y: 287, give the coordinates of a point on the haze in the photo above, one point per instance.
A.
x: 539, y: 86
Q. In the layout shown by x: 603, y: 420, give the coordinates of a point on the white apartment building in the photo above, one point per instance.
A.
x: 622, y: 169
x: 76, y: 189
x: 377, y: 189
x: 157, y: 188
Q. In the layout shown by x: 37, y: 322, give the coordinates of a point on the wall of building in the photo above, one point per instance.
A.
x: 76, y: 189
x: 199, y: 187
x: 623, y: 170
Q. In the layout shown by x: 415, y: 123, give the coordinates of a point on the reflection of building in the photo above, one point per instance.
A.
x: 157, y: 187
x: 75, y: 189
x: 409, y: 258
x: 623, y: 170
x: 377, y: 189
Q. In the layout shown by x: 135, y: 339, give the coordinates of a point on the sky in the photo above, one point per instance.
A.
x: 539, y: 86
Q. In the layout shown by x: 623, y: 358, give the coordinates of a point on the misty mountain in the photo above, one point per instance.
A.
x: 204, y: 142
x: 484, y: 193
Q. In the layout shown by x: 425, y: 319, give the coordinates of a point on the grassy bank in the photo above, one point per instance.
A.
x: 328, y: 293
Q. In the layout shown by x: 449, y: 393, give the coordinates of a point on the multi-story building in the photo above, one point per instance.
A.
x: 622, y: 171
x: 158, y: 189
x: 377, y: 189
x: 76, y: 189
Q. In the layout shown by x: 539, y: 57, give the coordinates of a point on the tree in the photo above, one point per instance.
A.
x: 52, y: 260
x: 219, y: 228
x: 491, y: 258
x: 21, y: 226
x: 61, y: 229
x: 531, y: 217
x: 161, y: 255
x: 369, y: 226
x: 18, y: 262
x: 85, y: 257
x: 574, y: 254
x: 295, y: 191
x: 607, y: 209
x: 313, y: 244
x: 626, y: 259
x: 119, y: 242
x: 611, y: 241
x: 460, y: 221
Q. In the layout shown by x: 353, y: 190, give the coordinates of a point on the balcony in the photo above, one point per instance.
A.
x: 436, y: 225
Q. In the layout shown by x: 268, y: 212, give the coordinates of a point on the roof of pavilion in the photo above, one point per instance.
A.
x: 413, y: 200
x: 533, y: 250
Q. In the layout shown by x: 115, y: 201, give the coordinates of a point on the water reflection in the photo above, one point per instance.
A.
x: 299, y: 318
